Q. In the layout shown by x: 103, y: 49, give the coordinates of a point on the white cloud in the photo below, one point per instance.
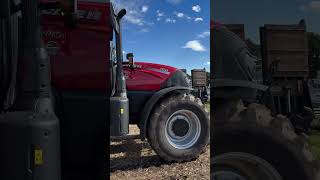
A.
x: 206, y: 63
x: 150, y: 23
x: 169, y: 20
x: 159, y: 13
x: 180, y: 15
x: 313, y: 6
x: 198, y: 19
x: 134, y: 20
x: 174, y: 2
x: 144, y: 8
x: 196, y: 8
x: 195, y: 45
x: 204, y: 34
x: 134, y: 10
x: 145, y: 30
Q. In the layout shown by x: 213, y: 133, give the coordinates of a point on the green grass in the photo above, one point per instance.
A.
x: 207, y: 106
x: 314, y: 140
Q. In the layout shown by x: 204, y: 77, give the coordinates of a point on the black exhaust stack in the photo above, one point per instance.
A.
x: 121, y: 87
x: 29, y: 131
x: 119, y: 103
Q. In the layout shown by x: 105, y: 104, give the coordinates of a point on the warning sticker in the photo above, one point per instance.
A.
x: 38, y: 157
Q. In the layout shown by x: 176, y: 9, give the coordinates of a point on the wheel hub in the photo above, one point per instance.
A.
x: 180, y: 127
x: 183, y: 129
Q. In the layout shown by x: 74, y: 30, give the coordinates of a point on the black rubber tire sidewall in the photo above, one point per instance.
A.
x: 157, y: 131
x: 271, y: 141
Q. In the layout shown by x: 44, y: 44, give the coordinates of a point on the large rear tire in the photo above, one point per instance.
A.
x: 178, y: 129
x: 269, y: 142
x: 243, y: 166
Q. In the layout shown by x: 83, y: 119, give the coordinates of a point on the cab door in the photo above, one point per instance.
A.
x: 80, y: 55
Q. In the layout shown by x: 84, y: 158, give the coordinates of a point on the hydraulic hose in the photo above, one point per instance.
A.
x: 121, y: 82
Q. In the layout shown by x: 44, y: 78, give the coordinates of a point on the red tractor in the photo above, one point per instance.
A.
x: 66, y: 104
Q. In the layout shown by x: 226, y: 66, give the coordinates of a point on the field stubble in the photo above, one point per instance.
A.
x: 131, y: 158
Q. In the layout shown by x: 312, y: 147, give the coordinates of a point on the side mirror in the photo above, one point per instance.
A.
x: 121, y: 13
x: 129, y: 55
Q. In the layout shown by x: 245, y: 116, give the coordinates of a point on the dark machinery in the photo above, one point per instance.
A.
x: 199, y: 83
x: 29, y: 127
x: 252, y: 137
x: 285, y: 70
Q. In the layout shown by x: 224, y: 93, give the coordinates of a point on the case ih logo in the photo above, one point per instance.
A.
x: 94, y: 15
x: 52, y: 48
x: 55, y: 41
x: 54, y: 35
x: 164, y: 70
x: 161, y: 70
x: 51, y: 12
x: 91, y: 15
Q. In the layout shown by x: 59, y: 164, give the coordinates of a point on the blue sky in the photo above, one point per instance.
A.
x: 171, y: 32
x: 256, y: 13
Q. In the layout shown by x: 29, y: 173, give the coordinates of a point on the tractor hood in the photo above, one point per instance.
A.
x: 151, y: 76
x: 160, y: 70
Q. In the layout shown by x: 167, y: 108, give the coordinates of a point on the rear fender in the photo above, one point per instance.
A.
x: 238, y: 83
x: 234, y: 89
x: 229, y: 89
x: 149, y: 106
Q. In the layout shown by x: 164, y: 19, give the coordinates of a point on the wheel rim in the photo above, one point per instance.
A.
x: 183, y: 129
x: 258, y: 167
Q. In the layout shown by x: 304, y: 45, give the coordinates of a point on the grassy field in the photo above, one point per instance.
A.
x: 314, y: 140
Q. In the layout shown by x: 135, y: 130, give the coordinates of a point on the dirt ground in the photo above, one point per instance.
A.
x: 131, y: 158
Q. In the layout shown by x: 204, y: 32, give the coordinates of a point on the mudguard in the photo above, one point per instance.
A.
x: 144, y: 117
x: 238, y: 83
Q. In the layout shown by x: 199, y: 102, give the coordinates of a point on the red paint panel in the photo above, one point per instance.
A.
x: 80, y: 56
x: 80, y: 59
x: 147, y: 77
